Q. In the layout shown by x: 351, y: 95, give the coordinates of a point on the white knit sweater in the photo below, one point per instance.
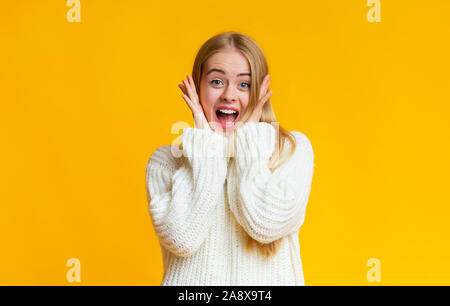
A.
x: 201, y: 207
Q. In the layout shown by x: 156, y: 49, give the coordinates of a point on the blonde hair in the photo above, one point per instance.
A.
x: 258, y: 69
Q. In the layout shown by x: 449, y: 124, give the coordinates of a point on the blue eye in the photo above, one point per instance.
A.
x: 216, y: 80
x: 212, y: 82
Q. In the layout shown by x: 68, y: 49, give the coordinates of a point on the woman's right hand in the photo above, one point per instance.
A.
x: 192, y: 100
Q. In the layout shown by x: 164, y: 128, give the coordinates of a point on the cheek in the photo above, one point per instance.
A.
x: 245, y: 99
x: 208, y: 100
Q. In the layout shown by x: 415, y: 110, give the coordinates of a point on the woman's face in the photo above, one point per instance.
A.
x: 225, y: 84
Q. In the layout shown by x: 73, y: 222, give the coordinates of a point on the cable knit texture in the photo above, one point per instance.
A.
x: 202, y: 208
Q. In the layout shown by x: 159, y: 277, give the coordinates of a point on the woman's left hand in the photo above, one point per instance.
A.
x: 263, y: 97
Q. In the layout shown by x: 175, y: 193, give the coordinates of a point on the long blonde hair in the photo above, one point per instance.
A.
x: 258, y: 69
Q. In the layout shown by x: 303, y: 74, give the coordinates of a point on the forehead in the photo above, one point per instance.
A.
x: 231, y: 62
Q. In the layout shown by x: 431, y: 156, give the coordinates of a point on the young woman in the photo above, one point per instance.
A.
x: 228, y: 211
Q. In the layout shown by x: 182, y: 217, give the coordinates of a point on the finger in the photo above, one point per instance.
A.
x: 188, y: 102
x: 264, y: 85
x: 183, y: 89
x: 191, y: 81
x: 267, y: 96
x: 265, y: 89
x: 188, y: 88
x: 196, y: 109
x: 264, y: 99
x: 194, y: 91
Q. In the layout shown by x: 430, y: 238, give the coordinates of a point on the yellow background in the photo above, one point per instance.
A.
x: 83, y: 106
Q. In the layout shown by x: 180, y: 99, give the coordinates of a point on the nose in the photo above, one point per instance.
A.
x: 229, y: 94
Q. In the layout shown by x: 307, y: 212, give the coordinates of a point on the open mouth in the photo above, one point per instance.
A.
x: 226, y: 117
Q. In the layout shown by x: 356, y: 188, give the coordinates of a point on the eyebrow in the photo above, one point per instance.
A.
x: 223, y: 72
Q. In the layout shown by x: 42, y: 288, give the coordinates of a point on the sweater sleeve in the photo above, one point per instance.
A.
x: 182, y: 200
x: 269, y: 205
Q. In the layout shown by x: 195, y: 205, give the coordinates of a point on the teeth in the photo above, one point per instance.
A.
x: 227, y: 111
